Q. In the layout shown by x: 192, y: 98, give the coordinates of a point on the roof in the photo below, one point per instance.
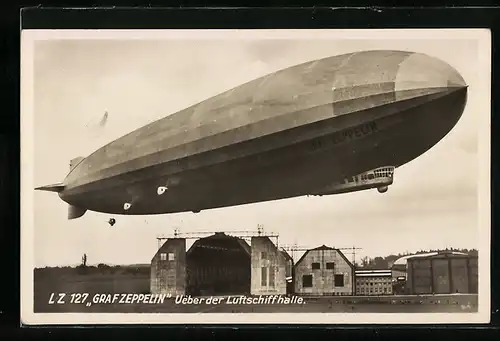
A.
x: 324, y: 248
x: 220, y: 240
x: 175, y: 242
x: 245, y: 246
x: 287, y: 255
x: 373, y: 273
x: 398, y: 267
x: 403, y: 260
x: 443, y: 255
x: 376, y: 274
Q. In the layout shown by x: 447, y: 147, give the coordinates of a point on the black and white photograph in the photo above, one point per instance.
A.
x: 255, y: 176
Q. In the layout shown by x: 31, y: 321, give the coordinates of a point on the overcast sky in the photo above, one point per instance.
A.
x: 432, y: 203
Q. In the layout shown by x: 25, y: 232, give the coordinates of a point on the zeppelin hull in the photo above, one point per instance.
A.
x: 283, y: 135
x: 391, y: 134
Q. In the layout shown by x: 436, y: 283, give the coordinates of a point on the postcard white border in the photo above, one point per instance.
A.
x: 28, y: 317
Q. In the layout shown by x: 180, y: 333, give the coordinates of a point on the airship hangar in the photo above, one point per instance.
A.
x: 249, y: 263
x: 245, y: 263
x: 220, y: 264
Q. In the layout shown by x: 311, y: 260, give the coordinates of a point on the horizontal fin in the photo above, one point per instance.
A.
x: 75, y: 212
x: 51, y: 188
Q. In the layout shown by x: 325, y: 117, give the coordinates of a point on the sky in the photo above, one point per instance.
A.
x: 432, y: 203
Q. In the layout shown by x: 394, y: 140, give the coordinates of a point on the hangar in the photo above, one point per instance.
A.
x: 399, y: 267
x: 443, y: 273
x: 219, y: 264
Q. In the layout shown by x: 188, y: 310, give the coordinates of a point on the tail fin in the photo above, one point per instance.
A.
x: 74, y: 162
x: 58, y: 187
x: 75, y: 212
x: 51, y: 188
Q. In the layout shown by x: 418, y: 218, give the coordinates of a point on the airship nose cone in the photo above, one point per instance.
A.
x: 420, y: 71
x: 420, y: 74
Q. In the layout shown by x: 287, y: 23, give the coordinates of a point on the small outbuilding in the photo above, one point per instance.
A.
x: 374, y: 282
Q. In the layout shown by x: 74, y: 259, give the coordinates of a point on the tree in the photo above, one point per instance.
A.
x: 380, y: 263
x: 473, y: 252
x: 84, y: 260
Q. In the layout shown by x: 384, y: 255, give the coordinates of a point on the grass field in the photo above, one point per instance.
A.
x: 135, y: 280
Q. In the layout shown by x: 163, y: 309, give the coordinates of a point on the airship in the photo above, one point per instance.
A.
x: 327, y: 126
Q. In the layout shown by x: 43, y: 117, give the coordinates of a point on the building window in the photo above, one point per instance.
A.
x: 315, y: 266
x: 163, y: 256
x: 339, y: 280
x: 263, y: 255
x: 307, y: 281
x: 171, y: 256
x: 263, y: 276
x: 271, y: 276
x: 330, y: 266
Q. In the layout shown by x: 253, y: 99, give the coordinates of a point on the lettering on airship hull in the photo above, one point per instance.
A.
x: 345, y: 135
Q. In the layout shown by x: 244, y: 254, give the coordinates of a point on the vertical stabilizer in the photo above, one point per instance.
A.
x: 74, y: 162
x: 75, y: 211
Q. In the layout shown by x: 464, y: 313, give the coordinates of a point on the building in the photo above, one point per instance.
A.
x: 289, y: 275
x: 219, y: 264
x: 324, y: 271
x: 399, y: 270
x: 268, y: 268
x: 168, y: 268
x: 374, y: 282
x: 289, y: 265
x: 443, y: 273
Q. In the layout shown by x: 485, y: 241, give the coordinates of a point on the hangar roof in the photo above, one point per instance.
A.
x: 221, y: 241
x: 323, y: 248
x: 403, y: 260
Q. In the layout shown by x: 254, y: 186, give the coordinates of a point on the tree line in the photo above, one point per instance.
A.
x: 387, y: 261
